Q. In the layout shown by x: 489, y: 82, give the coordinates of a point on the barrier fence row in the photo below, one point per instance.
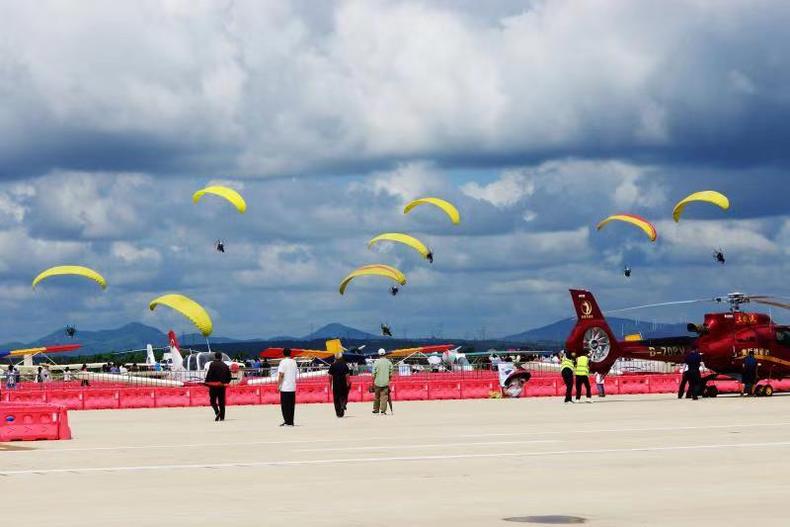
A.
x: 318, y: 391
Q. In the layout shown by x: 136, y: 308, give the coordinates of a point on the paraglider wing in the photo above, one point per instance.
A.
x: 223, y: 192
x: 187, y: 307
x: 373, y: 270
x: 77, y: 270
x: 405, y: 239
x: 633, y: 219
x: 709, y: 196
x: 446, y: 206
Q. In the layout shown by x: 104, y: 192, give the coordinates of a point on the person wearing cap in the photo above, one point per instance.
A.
x: 382, y: 373
x: 217, y: 379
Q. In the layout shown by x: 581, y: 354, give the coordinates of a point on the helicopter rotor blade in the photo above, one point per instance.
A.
x: 772, y: 303
x: 662, y: 304
x: 768, y: 297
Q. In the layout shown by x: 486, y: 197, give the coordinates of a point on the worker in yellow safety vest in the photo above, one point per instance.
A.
x: 583, y: 376
x: 566, y: 370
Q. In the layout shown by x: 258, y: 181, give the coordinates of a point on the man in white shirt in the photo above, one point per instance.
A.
x: 286, y: 385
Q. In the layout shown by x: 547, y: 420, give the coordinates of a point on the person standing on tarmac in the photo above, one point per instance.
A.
x: 684, y: 383
x: 749, y: 376
x: 217, y: 379
x: 382, y: 373
x: 693, y: 361
x: 286, y: 385
x: 583, y: 376
x: 339, y: 380
x: 566, y: 369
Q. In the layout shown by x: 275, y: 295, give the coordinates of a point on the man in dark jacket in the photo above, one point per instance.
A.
x: 693, y: 361
x: 749, y: 373
x: 339, y: 379
x: 217, y: 379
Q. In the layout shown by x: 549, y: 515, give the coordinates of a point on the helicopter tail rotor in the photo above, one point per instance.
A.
x: 592, y: 334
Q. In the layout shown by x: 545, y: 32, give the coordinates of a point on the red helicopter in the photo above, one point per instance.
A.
x: 723, y: 339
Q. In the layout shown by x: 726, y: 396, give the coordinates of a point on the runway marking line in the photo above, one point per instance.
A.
x: 432, y: 445
x: 254, y: 464
x: 346, y: 440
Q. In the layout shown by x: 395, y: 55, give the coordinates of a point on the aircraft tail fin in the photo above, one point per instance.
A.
x: 175, y: 353
x: 150, y: 360
x: 592, y: 333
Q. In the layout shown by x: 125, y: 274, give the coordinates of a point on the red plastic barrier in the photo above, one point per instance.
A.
x: 635, y: 384
x: 540, y: 387
x: 313, y: 393
x: 355, y: 393
x: 367, y: 395
x: 478, y: 389
x: 408, y: 391
x: 99, y: 399
x: 243, y: 395
x: 32, y: 422
x: 269, y: 394
x: 664, y: 383
x: 168, y: 397
x: 64, y: 430
x: 198, y: 395
x: 444, y: 390
x: 23, y: 396
x: 71, y: 399
x: 137, y: 398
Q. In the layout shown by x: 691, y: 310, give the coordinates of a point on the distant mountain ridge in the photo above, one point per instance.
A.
x: 558, y: 331
x: 136, y: 335
x: 341, y: 331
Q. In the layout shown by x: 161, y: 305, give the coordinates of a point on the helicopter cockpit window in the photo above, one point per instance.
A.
x: 783, y: 336
x: 189, y: 362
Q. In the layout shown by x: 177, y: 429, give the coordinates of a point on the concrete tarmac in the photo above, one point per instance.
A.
x: 622, y: 461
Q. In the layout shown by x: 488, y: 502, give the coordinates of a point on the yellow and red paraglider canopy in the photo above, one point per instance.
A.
x: 638, y: 221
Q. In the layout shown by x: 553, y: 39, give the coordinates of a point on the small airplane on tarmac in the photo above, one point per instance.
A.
x: 27, y: 354
x: 723, y: 339
x: 335, y: 347
x: 172, y: 370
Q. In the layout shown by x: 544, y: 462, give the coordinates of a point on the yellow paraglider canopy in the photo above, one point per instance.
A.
x: 77, y: 270
x: 446, y: 206
x: 373, y: 270
x: 709, y: 196
x: 633, y: 219
x: 224, y: 192
x: 405, y: 239
x: 187, y: 307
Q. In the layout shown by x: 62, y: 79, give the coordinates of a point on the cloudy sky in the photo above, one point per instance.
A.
x: 536, y: 118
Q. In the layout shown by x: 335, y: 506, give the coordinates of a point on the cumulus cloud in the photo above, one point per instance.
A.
x: 536, y: 118
x: 254, y: 90
x: 508, y: 190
